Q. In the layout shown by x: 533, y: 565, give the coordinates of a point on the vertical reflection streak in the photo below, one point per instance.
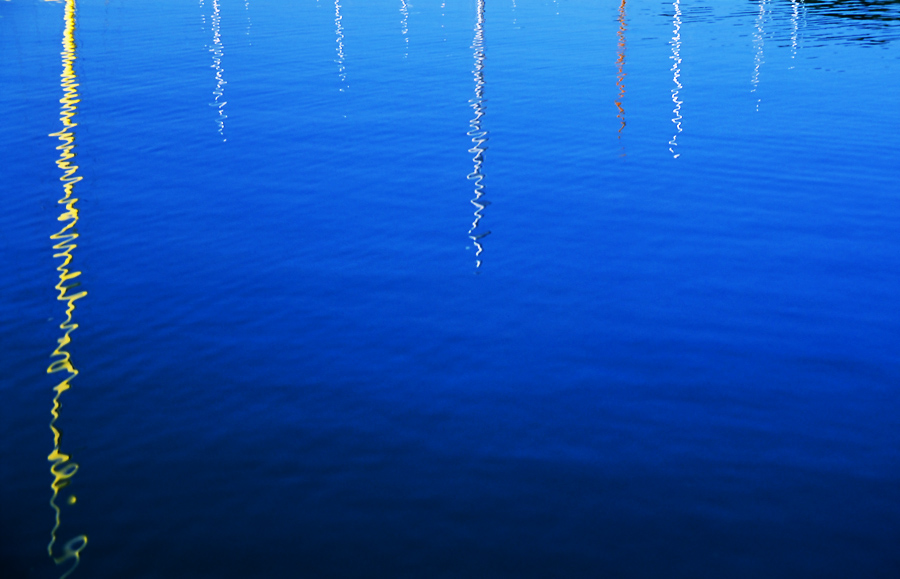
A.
x: 795, y: 28
x: 339, y: 33
x: 249, y: 23
x: 478, y: 135
x: 759, y: 42
x: 676, y: 77
x: 620, y: 66
x: 217, y: 51
x: 63, y: 468
x: 404, y: 28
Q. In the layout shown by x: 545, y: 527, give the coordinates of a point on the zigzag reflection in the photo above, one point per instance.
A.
x: 63, y: 468
x: 217, y: 50
x: 478, y: 135
x: 676, y: 78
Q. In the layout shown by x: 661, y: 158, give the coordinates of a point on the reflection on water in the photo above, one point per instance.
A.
x: 759, y: 43
x: 404, y: 28
x: 795, y: 26
x: 339, y: 33
x: 63, y: 468
x: 620, y: 66
x: 478, y: 135
x: 249, y: 23
x: 217, y: 51
x: 871, y: 10
x: 676, y: 77
x: 873, y: 21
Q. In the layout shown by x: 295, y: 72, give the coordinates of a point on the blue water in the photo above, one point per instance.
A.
x: 416, y: 288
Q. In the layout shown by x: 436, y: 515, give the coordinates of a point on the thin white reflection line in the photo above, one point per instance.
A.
x: 676, y: 76
x: 759, y: 43
x: 795, y: 27
x: 339, y: 33
x: 249, y: 23
x: 404, y: 24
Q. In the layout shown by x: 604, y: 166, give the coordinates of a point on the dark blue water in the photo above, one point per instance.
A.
x: 416, y: 288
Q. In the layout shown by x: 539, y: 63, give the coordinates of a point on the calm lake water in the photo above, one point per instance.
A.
x: 409, y: 288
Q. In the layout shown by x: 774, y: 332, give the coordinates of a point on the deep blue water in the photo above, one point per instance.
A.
x: 451, y: 289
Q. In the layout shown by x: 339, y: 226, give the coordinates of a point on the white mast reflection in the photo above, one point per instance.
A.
x: 404, y: 28
x: 676, y: 76
x: 478, y: 135
x: 759, y: 42
x: 249, y: 23
x: 795, y: 26
x: 339, y: 33
x: 217, y: 50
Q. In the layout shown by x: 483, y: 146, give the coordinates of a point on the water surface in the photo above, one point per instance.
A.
x: 450, y: 289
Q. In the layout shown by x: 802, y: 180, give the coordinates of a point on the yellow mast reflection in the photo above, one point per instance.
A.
x: 620, y: 65
x: 478, y: 135
x: 339, y: 33
x: 759, y: 42
x: 217, y: 50
x: 63, y: 468
x: 676, y: 78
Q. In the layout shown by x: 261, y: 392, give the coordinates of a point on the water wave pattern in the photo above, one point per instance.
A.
x: 479, y: 136
x: 620, y: 67
x: 339, y: 39
x: 218, y: 51
x: 676, y: 78
x: 63, y: 468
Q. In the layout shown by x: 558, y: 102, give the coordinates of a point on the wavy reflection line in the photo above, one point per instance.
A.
x: 218, y: 50
x: 620, y: 66
x: 339, y: 34
x: 759, y: 44
x: 478, y: 135
x: 404, y: 24
x: 676, y: 78
x: 63, y: 468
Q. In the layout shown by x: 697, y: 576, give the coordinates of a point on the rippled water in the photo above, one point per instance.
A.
x: 450, y: 289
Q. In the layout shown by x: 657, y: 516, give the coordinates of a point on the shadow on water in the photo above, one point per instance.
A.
x: 865, y: 21
x: 478, y: 135
x: 63, y: 468
x: 872, y: 10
